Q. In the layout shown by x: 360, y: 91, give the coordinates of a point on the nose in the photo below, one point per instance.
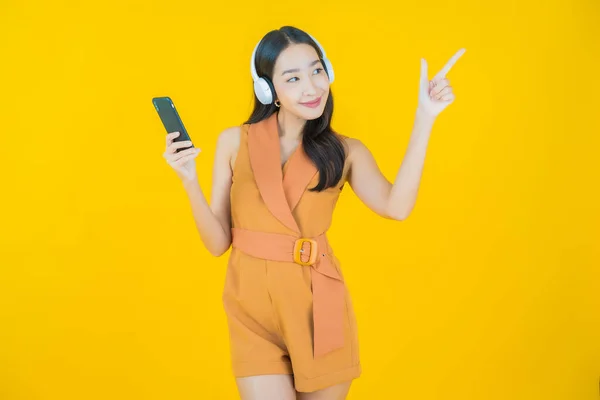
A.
x: 309, y: 88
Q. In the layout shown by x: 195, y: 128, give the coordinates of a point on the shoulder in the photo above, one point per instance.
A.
x: 228, y: 143
x: 230, y: 136
x: 354, y: 147
x: 228, y: 140
x: 353, y: 143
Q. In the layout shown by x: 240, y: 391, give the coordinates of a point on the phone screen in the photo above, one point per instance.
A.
x: 170, y: 119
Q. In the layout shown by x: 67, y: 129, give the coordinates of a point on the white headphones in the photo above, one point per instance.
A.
x: 263, y: 88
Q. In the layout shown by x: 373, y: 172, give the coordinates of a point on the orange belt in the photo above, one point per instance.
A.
x: 327, y: 284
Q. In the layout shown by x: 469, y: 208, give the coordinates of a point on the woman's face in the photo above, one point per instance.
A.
x: 299, y: 77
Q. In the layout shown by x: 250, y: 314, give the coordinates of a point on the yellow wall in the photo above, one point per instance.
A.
x: 490, y: 290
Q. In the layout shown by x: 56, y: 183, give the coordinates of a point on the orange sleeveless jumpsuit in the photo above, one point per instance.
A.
x: 288, y: 309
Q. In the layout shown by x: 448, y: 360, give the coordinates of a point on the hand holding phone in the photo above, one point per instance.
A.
x: 182, y: 162
x: 180, y: 151
x: 170, y: 119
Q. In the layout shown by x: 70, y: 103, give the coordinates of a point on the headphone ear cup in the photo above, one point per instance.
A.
x: 271, y: 89
x: 329, y: 68
x: 264, y: 90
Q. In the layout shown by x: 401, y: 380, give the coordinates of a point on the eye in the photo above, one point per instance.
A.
x: 290, y: 80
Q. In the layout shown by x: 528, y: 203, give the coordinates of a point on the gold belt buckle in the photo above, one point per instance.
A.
x: 298, y: 251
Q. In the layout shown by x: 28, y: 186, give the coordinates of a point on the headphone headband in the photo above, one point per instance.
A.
x: 253, y: 61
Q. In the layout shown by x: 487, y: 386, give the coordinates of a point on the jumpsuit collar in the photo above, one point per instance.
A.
x: 280, y: 190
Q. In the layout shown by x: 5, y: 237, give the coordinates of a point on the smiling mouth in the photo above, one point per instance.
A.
x: 312, y: 103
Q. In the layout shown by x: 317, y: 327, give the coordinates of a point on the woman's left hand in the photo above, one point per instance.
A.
x: 436, y: 94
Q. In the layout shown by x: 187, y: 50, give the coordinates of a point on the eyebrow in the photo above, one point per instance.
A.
x: 287, y: 71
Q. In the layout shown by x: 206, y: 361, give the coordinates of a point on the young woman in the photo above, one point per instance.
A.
x: 276, y: 180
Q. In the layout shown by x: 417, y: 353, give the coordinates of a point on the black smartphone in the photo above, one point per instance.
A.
x: 170, y: 118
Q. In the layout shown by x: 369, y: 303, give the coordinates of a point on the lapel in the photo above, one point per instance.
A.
x: 280, y: 192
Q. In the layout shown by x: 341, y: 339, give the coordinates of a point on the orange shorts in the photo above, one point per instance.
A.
x: 269, y: 314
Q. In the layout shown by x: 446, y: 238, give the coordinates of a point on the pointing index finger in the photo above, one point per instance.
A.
x: 449, y: 65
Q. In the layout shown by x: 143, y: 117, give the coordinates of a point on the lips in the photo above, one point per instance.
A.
x: 313, y: 103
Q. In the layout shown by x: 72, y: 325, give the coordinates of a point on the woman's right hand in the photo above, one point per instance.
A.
x: 183, y: 162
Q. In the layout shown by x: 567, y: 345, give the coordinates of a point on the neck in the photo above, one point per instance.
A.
x: 290, y: 126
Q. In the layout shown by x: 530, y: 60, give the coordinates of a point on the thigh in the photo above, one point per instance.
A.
x: 336, y: 392
x: 266, y: 387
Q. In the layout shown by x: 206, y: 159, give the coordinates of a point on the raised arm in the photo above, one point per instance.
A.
x: 372, y: 188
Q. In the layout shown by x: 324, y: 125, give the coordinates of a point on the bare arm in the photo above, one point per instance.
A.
x: 374, y: 190
x: 214, y: 222
x: 398, y: 200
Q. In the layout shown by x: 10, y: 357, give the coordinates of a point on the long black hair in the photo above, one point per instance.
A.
x: 321, y: 143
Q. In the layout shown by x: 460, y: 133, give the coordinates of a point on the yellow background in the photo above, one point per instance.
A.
x: 489, y: 290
